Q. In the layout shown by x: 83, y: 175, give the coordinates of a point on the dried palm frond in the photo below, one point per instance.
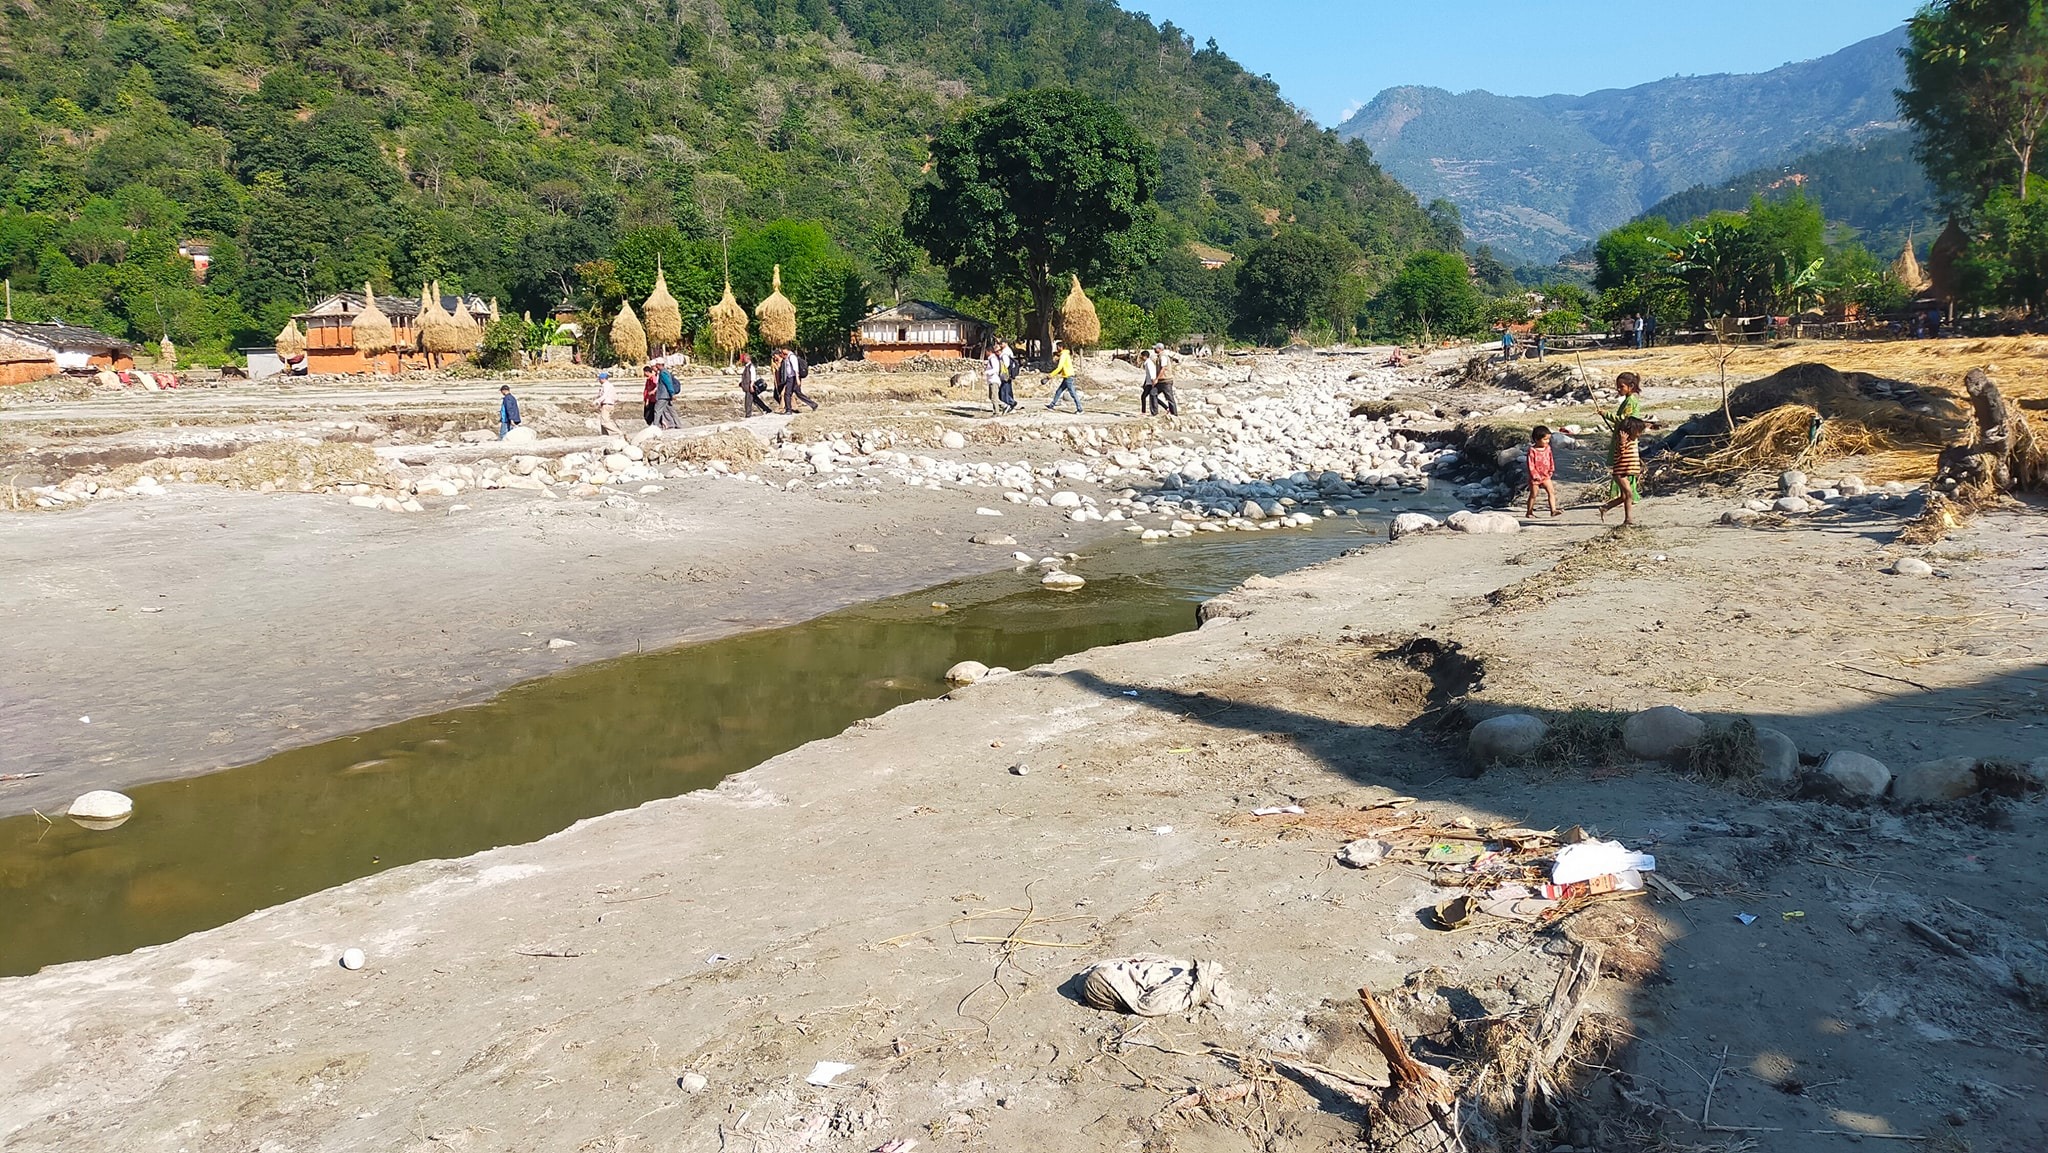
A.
x: 663, y: 316
x: 728, y: 324
x: 373, y: 333
x: 777, y: 316
x: 629, y: 340
x: 1079, y: 325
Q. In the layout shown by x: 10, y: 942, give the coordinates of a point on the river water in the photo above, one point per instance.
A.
x: 535, y: 759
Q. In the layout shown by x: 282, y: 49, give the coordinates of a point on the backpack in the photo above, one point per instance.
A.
x: 803, y: 370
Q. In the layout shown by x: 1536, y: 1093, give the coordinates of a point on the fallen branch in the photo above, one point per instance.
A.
x: 1554, y: 1031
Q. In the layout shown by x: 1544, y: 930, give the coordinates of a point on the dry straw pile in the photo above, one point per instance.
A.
x: 373, y: 332
x: 1079, y: 325
x: 1809, y: 413
x: 290, y: 341
x: 629, y: 340
x: 468, y: 334
x: 436, y: 329
x: 728, y: 324
x: 664, y: 316
x: 777, y: 317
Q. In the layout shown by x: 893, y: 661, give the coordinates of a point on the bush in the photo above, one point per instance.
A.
x: 1561, y: 322
x: 501, y: 345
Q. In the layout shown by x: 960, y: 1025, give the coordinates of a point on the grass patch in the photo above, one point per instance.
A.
x: 1583, y: 738
x: 1726, y: 753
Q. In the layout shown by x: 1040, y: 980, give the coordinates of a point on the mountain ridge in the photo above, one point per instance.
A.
x: 1540, y: 176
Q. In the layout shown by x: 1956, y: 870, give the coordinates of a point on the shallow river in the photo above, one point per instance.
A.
x: 204, y: 851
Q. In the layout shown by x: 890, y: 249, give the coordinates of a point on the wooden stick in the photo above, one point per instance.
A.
x: 1816, y: 1132
x: 1708, y: 1108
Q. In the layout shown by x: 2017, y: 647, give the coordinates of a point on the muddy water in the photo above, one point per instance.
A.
x: 203, y: 851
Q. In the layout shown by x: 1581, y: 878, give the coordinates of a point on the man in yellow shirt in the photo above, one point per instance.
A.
x: 1062, y: 376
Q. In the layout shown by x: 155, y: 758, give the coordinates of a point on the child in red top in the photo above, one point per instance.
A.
x: 1542, y: 466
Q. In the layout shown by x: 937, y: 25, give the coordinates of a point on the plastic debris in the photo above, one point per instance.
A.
x: 1364, y: 854
x: 352, y: 959
x: 825, y: 1072
x: 1746, y: 918
x: 1453, y: 852
x: 1589, y: 859
x: 1276, y: 810
x: 1149, y: 985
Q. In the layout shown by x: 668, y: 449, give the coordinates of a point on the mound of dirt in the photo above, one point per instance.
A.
x: 1857, y: 412
x: 1547, y: 380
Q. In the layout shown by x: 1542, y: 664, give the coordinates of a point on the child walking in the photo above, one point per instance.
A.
x: 1628, y: 466
x: 1542, y: 467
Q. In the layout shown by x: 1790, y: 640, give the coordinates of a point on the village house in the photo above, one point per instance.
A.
x: 1212, y: 257
x: 67, y: 347
x: 898, y: 332
x: 200, y: 253
x: 21, y: 363
x: 330, y: 332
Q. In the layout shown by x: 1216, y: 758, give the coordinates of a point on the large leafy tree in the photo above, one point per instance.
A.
x: 1033, y: 189
x: 1283, y: 282
x: 1432, y: 294
x: 1977, y: 94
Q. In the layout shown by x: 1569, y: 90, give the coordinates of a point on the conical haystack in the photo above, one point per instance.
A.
x: 373, y: 334
x: 728, y: 324
x: 166, y: 352
x: 437, y: 332
x: 290, y: 341
x: 1079, y: 325
x: 629, y: 340
x: 468, y: 333
x: 777, y: 317
x: 663, y: 315
x: 1906, y: 270
x: 495, y: 318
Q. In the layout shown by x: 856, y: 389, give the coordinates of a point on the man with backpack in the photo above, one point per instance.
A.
x: 1162, y: 382
x: 790, y: 371
x: 751, y: 389
x: 1004, y: 392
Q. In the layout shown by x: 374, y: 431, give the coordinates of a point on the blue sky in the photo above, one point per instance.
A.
x: 1331, y: 56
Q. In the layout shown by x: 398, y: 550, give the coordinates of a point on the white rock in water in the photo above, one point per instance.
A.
x: 1931, y: 782
x: 1484, y: 522
x: 1252, y: 511
x: 1506, y: 737
x: 1062, y: 581
x: 950, y: 439
x: 1859, y: 776
x: 1661, y: 733
x: 1912, y: 566
x: 352, y: 959
x: 1021, y: 557
x: 101, y: 809
x: 559, y: 643
x: 966, y: 672
x: 1411, y: 522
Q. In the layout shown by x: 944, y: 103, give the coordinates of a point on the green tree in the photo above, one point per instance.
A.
x: 1432, y: 294
x: 1035, y: 188
x: 1977, y: 93
x: 1285, y: 282
x: 1446, y: 225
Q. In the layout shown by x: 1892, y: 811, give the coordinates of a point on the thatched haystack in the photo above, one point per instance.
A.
x: 290, y: 341
x: 663, y: 316
x: 435, y: 329
x: 1907, y: 271
x: 728, y: 324
x: 373, y: 333
x: 495, y: 318
x: 1079, y: 326
x: 468, y: 333
x: 166, y: 352
x: 777, y: 316
x: 629, y: 340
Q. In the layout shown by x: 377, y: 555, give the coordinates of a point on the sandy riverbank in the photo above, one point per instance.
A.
x: 831, y: 904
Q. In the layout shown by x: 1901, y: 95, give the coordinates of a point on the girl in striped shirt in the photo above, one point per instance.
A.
x: 1628, y: 466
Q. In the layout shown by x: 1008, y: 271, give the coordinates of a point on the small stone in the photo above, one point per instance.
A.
x: 986, y: 512
x: 693, y: 1082
x: 352, y: 959
x: 1912, y: 566
x: 1932, y: 782
x: 1062, y: 581
x: 952, y: 440
x: 1780, y: 756
x: 966, y: 672
x: 992, y: 538
x: 1791, y: 481
x: 1790, y: 505
x: 559, y: 643
x: 1411, y: 522
x: 1064, y: 499
x: 865, y: 547
x: 1506, y: 737
x: 1858, y: 775
x: 1661, y: 733
x: 101, y: 808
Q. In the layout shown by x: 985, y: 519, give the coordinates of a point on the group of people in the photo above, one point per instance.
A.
x: 999, y: 368
x: 787, y: 372
x: 1638, y: 330
x: 1624, y: 455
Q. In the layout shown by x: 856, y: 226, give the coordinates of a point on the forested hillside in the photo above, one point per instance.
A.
x: 532, y: 149
x: 1875, y: 189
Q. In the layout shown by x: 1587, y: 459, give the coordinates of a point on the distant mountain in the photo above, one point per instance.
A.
x: 1874, y: 188
x: 1538, y: 176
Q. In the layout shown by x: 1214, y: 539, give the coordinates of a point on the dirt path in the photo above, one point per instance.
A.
x: 899, y: 899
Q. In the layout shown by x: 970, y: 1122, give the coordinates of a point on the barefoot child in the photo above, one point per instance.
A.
x: 1628, y: 465
x: 1542, y: 466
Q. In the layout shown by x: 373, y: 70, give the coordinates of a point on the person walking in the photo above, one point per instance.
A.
x: 751, y: 389
x: 789, y: 380
x: 651, y: 387
x: 508, y: 411
x: 665, y: 390
x: 1007, y: 394
x: 1162, y: 382
x: 992, y: 370
x: 1062, y: 377
x: 607, y: 398
x: 1507, y: 343
x: 1148, y: 362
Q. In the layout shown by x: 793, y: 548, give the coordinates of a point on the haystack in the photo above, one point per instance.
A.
x: 373, y: 333
x: 495, y: 318
x: 629, y: 340
x: 290, y: 341
x: 777, y: 316
x: 166, y: 352
x: 1858, y: 414
x: 468, y: 333
x: 663, y: 315
x: 1907, y: 271
x: 1079, y: 325
x: 433, y: 329
x: 728, y: 324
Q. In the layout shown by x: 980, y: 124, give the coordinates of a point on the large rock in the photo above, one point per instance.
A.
x: 1484, y: 522
x: 1507, y: 737
x: 1065, y: 498
x: 1791, y: 481
x: 966, y: 672
x: 520, y: 435
x: 1932, y: 782
x: 949, y: 439
x: 1411, y: 522
x: 1065, y: 582
x: 1780, y: 756
x: 1858, y: 775
x: 1215, y: 608
x: 101, y: 809
x: 1661, y: 733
